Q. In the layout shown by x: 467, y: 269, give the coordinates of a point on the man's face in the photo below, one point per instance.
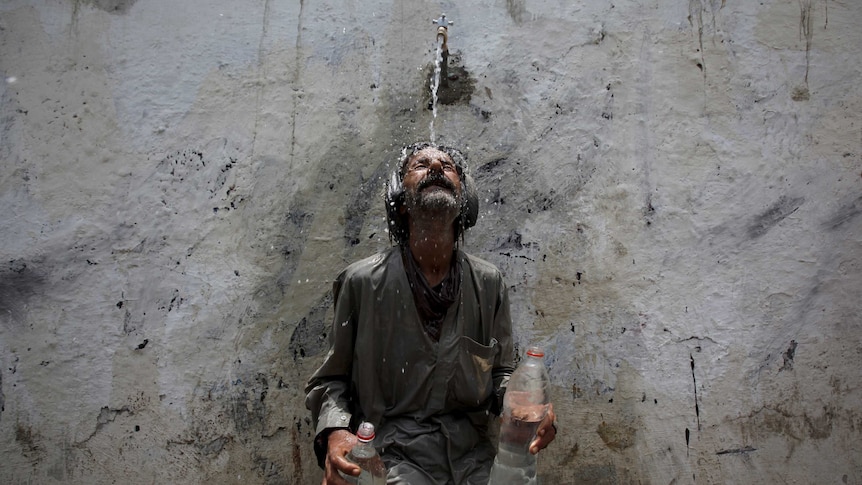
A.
x: 431, y: 182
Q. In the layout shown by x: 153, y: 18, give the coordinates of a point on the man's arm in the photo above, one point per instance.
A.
x: 328, y: 393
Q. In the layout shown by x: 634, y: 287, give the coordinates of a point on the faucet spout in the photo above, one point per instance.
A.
x: 443, y: 31
x: 443, y: 38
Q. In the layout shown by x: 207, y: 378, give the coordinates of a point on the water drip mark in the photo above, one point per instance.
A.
x: 696, y: 404
x: 687, y: 438
x: 696, y: 8
x: 801, y: 93
x: 806, y: 31
x: 695, y: 12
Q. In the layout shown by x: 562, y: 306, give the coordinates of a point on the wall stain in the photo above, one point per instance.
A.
x: 571, y: 455
x: 246, y: 412
x: 593, y: 474
x: 296, y: 453
x: 845, y: 214
x: 696, y: 8
x: 788, y: 357
x: 616, y: 436
x: 696, y: 403
x: 772, y: 216
x: 30, y: 442
x: 113, y: 6
x: 517, y: 10
x: 270, y: 471
x: 736, y: 451
x: 361, y: 202
x: 18, y: 284
x: 309, y: 336
x: 457, y: 88
x: 296, y: 221
x: 801, y: 93
x: 215, y: 446
x: 798, y: 427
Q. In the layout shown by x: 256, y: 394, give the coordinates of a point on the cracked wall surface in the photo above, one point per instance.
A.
x: 672, y: 190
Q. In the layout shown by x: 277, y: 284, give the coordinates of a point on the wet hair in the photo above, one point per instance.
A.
x: 399, y: 231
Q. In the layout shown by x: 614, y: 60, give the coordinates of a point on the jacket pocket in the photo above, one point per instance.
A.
x: 471, y: 384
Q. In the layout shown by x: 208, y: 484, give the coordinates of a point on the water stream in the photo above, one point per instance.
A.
x: 435, y: 84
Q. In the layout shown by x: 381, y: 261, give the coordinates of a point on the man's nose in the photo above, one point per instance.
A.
x: 436, y: 165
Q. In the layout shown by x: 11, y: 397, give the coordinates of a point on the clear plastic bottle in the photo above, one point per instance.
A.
x: 524, y: 407
x: 365, y: 455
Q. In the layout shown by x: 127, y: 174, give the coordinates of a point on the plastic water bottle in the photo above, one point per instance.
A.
x: 365, y: 455
x: 524, y: 406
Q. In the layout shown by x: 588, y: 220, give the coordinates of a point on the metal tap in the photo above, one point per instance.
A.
x: 443, y: 30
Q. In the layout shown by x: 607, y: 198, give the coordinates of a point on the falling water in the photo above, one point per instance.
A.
x: 435, y: 83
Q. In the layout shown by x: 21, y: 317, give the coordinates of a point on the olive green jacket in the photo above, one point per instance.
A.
x: 428, y: 400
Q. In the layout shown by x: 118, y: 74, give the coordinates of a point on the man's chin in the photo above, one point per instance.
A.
x: 438, y: 200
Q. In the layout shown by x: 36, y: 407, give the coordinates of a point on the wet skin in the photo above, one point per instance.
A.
x: 432, y: 187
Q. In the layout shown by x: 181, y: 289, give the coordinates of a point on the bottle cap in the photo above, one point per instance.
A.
x: 535, y: 352
x: 365, y: 431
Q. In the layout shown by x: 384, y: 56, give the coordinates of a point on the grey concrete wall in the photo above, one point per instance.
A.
x: 672, y: 189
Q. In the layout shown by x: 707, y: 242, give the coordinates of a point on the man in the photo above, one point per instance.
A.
x: 421, y: 340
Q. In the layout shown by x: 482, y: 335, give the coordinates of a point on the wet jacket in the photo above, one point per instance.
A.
x: 429, y: 400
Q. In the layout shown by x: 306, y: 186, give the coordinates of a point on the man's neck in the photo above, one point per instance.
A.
x: 433, y: 247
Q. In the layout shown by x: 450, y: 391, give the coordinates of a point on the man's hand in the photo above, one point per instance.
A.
x: 340, y: 443
x: 547, y: 432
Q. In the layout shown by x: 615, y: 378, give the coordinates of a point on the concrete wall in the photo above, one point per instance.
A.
x: 672, y: 188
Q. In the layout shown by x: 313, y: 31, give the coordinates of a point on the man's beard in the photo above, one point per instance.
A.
x: 443, y: 200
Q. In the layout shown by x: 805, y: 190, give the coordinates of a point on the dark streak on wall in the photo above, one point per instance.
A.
x: 736, y: 451
x: 296, y: 453
x: 309, y: 335
x: 788, y: 356
x: 772, y: 216
x: 296, y: 220
x: 845, y: 214
x: 113, y: 6
x: 30, y: 441
x: 361, y: 202
x: 696, y: 404
x: 18, y: 283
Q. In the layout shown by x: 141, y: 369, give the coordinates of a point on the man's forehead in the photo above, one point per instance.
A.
x: 430, y: 152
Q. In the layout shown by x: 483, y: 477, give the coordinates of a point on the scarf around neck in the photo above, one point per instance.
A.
x: 432, y: 303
